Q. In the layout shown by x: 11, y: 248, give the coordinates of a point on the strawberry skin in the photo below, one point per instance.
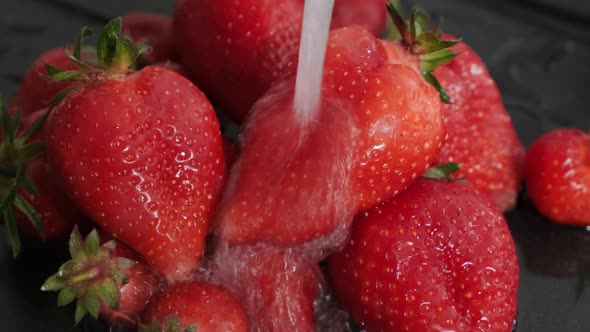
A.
x: 142, y: 157
x: 378, y: 128
x: 277, y: 286
x: 480, y: 133
x: 557, y: 174
x: 370, y: 14
x: 247, y: 46
x: 238, y: 46
x: 211, y: 308
x: 36, y: 90
x: 437, y: 256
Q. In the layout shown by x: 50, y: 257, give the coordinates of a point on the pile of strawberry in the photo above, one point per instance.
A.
x: 299, y: 226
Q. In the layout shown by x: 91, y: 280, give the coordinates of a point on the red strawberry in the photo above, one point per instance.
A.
x: 278, y: 287
x: 371, y: 14
x: 378, y: 128
x: 557, y: 175
x: 108, y: 280
x: 36, y: 91
x: 246, y: 46
x: 480, y: 133
x: 154, y: 30
x: 207, y: 307
x: 140, y: 153
x: 238, y: 46
x: 437, y: 256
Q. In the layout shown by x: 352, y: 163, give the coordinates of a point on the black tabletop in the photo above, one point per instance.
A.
x: 537, y: 50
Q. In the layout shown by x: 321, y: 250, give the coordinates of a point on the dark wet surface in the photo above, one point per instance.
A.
x: 537, y: 50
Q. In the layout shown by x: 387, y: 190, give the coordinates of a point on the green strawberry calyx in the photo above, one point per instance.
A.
x: 431, y: 50
x: 115, y: 56
x: 16, y: 151
x: 93, y: 275
x: 171, y: 324
x: 442, y: 172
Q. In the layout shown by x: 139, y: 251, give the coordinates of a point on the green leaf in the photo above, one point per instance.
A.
x: 81, y: 311
x: 36, y: 125
x: 394, y: 9
x: 85, y: 33
x: 121, y: 277
x: 76, y: 243
x: 83, y: 66
x: 53, y: 283
x: 28, y: 184
x: 30, y: 151
x: 110, y: 294
x: 61, y: 95
x: 430, y: 61
x: 51, y: 70
x: 444, y: 97
x: 92, y: 243
x: 12, y: 236
x: 92, y: 302
x: 441, y: 171
x: 29, y: 211
x: 68, y: 76
x: 125, y: 263
x: 66, y: 296
x: 191, y: 328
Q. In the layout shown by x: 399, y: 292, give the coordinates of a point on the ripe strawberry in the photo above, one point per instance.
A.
x: 238, y: 46
x: 557, y: 175
x: 371, y: 14
x: 246, y: 46
x: 154, y: 30
x: 480, y: 133
x: 437, y: 256
x: 36, y: 91
x: 202, y: 305
x: 140, y: 153
x: 108, y: 280
x: 378, y: 128
x: 277, y: 286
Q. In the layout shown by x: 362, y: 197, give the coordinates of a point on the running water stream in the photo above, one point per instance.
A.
x: 314, y: 36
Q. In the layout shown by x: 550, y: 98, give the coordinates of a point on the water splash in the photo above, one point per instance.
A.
x: 314, y: 36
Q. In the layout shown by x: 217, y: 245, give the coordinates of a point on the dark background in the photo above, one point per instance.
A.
x: 537, y: 50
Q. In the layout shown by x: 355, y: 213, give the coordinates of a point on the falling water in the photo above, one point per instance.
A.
x: 314, y: 35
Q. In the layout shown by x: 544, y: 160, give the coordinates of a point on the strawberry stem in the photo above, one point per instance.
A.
x: 15, y: 153
x: 431, y: 50
x: 92, y: 275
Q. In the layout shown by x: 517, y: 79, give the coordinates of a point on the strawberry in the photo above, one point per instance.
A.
x: 277, y: 286
x: 140, y: 153
x: 108, y: 280
x: 370, y: 14
x: 480, y: 133
x: 438, y: 255
x: 199, y: 305
x: 379, y: 126
x: 246, y: 46
x: 238, y: 46
x: 36, y: 91
x: 557, y: 175
x: 153, y: 30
